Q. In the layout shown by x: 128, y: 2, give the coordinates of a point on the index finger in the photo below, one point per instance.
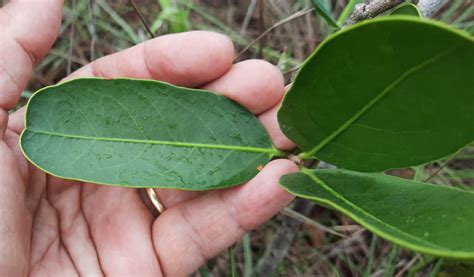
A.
x: 187, y: 59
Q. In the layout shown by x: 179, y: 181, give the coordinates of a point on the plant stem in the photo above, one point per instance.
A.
x: 370, y: 9
x: 141, y: 19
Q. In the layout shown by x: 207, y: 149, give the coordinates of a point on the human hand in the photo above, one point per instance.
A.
x: 56, y: 227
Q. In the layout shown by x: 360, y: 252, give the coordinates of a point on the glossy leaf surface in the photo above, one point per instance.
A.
x: 432, y: 219
x: 143, y: 133
x: 385, y: 93
x: 406, y: 9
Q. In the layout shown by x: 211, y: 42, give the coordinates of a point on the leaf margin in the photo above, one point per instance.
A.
x: 458, y: 255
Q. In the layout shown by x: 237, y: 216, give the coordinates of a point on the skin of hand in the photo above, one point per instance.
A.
x: 55, y: 227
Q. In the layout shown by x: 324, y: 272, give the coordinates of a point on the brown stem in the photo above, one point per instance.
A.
x: 370, y: 9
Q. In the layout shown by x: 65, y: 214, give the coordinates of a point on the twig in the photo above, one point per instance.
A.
x: 273, y: 27
x: 370, y: 9
x: 342, y: 245
x: 429, y: 7
x: 443, y: 166
x: 347, y: 228
x: 408, y: 265
x: 141, y: 19
x: 437, y: 171
x: 304, y: 219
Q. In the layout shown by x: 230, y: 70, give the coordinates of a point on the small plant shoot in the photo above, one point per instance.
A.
x: 386, y: 93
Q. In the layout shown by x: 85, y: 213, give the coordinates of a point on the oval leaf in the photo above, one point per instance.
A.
x: 386, y: 93
x: 406, y: 9
x: 143, y: 133
x: 432, y: 219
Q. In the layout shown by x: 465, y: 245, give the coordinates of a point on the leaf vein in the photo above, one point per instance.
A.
x: 315, y: 179
x: 374, y: 101
x: 171, y: 143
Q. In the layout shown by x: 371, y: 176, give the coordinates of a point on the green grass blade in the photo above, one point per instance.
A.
x: 247, y: 247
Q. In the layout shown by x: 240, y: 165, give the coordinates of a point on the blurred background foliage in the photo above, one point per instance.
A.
x: 304, y: 239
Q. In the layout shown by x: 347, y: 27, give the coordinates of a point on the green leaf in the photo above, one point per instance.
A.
x: 143, y: 133
x: 386, y: 93
x: 406, y: 9
x: 432, y: 219
x: 323, y: 11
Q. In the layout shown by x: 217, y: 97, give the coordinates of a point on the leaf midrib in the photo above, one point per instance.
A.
x: 271, y: 151
x: 374, y: 100
x: 315, y: 179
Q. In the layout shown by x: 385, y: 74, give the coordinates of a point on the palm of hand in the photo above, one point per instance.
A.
x: 51, y: 226
x: 79, y: 228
